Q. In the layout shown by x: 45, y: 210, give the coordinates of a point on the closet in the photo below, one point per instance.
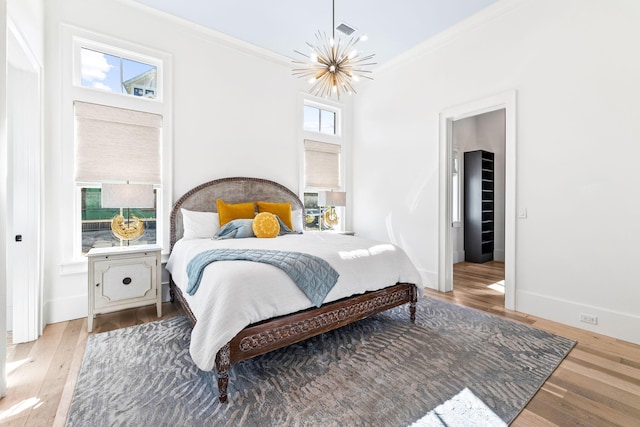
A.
x: 478, y: 206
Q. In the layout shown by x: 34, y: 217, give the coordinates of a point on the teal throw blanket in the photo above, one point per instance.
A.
x: 314, y: 276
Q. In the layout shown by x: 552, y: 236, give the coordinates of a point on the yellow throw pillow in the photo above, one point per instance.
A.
x: 265, y: 224
x: 228, y: 212
x: 283, y: 210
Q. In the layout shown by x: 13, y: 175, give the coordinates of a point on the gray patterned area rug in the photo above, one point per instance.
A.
x: 455, y: 366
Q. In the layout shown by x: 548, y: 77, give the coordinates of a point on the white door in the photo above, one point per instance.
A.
x: 24, y: 289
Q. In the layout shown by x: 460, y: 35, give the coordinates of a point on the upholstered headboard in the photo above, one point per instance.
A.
x: 232, y: 190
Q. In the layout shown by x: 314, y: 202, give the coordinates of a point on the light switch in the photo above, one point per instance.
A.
x: 522, y: 213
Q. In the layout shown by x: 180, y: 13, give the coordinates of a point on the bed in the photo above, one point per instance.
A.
x: 245, y: 309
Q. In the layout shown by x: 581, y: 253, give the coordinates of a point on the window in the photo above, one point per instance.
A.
x: 114, y: 145
x: 116, y: 114
x: 323, y: 161
x: 100, y: 70
x: 319, y: 120
x: 96, y: 221
x: 455, y: 189
x: 321, y: 172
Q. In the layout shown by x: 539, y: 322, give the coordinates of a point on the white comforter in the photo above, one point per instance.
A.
x: 235, y: 294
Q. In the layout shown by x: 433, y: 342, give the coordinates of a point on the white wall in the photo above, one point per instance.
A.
x: 572, y: 66
x: 482, y: 132
x: 236, y: 112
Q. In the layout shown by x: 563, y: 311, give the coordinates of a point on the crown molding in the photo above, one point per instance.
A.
x: 211, y: 35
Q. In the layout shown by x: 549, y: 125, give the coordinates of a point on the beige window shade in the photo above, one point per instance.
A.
x: 321, y: 165
x: 116, y: 145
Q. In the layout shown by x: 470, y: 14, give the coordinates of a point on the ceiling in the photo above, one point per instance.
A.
x: 281, y: 26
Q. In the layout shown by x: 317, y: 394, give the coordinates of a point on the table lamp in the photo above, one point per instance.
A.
x: 127, y: 196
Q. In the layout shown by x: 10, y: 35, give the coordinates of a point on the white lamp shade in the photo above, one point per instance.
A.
x: 332, y: 198
x: 127, y: 196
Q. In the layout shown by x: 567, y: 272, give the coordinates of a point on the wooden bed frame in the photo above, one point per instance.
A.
x: 263, y: 337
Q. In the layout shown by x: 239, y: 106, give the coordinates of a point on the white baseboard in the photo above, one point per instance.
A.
x: 429, y: 279
x: 76, y: 307
x: 9, y: 318
x: 498, y: 255
x: 618, y: 325
x: 458, y: 256
x: 63, y: 309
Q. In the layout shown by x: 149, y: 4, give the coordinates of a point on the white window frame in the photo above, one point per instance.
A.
x: 73, y: 39
x: 338, y: 139
x: 322, y: 137
x: 320, y: 109
x: 90, y: 43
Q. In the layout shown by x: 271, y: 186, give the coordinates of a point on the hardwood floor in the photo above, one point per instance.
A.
x: 42, y: 374
x: 598, y: 384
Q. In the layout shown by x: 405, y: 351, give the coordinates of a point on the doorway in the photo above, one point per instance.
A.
x: 507, y: 102
x: 478, y: 205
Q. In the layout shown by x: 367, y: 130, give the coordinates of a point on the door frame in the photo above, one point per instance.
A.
x: 3, y: 196
x: 506, y: 101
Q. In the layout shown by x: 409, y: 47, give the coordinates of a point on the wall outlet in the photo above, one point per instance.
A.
x: 589, y: 318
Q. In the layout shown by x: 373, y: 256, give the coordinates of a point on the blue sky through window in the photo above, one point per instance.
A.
x: 319, y: 120
x: 108, y: 72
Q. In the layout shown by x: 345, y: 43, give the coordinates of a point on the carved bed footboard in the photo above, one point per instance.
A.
x: 272, y: 334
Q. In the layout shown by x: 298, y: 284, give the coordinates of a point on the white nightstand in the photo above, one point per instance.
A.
x: 124, y: 277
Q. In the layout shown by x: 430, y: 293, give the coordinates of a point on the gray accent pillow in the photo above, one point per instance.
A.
x: 236, y: 229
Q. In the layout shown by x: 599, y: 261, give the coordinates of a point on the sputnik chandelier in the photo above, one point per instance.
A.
x: 333, y: 64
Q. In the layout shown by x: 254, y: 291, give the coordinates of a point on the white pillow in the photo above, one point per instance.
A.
x: 199, y: 225
x: 297, y: 220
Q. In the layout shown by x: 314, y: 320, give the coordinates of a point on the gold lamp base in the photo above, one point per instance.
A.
x: 127, y: 230
x: 331, y: 218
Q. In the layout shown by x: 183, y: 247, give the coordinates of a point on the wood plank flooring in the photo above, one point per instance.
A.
x: 598, y: 384
x: 42, y: 374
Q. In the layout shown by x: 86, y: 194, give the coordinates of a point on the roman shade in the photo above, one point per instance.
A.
x: 116, y: 145
x: 321, y: 165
